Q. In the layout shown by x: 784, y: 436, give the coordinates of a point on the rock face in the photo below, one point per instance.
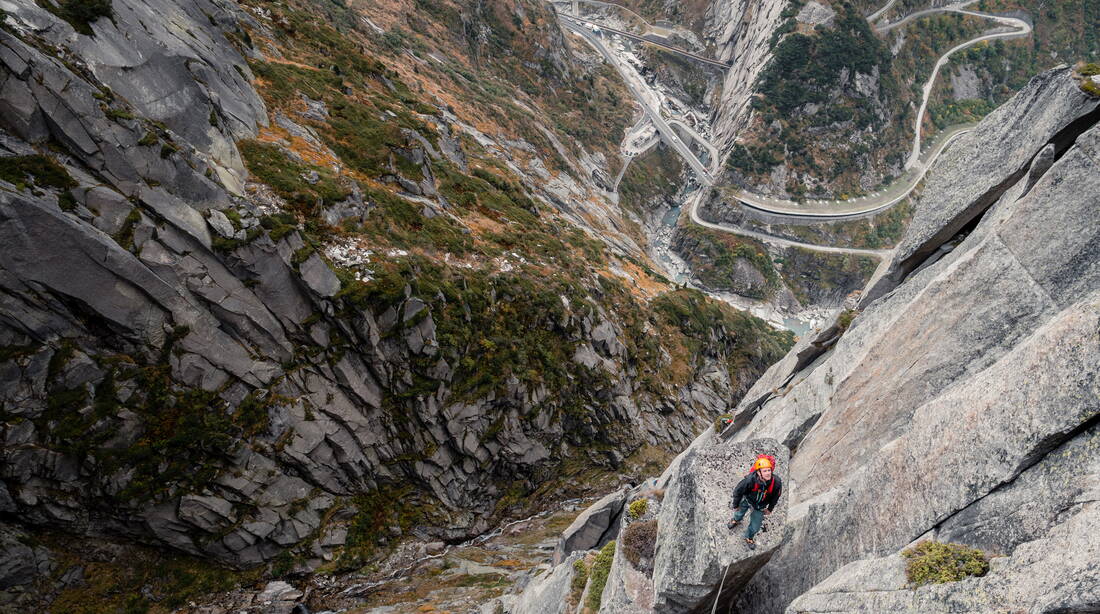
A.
x: 951, y: 405
x: 696, y: 561
x: 971, y: 176
x: 960, y: 405
x: 1057, y: 573
x: 594, y: 527
x: 550, y: 595
x: 695, y: 551
x: 180, y: 362
x: 741, y: 30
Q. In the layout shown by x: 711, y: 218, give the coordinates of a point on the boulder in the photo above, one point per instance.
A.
x: 594, y: 527
x: 18, y: 564
x: 319, y: 277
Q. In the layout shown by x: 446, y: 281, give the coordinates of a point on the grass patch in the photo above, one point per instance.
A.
x: 580, y: 579
x: 35, y: 170
x: 844, y: 320
x: 597, y: 577
x: 268, y: 163
x: 721, y: 422
x: 138, y: 580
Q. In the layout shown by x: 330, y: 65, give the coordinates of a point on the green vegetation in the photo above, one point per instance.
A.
x: 1088, y: 71
x: 489, y: 326
x: 185, y: 436
x: 931, y: 562
x: 135, y: 580
x: 715, y: 257
x: 720, y: 422
x: 580, y: 579
x: 287, y: 178
x: 753, y: 158
x: 125, y: 235
x: 117, y: 114
x: 713, y: 328
x: 35, y: 170
x: 375, y: 513
x: 597, y: 576
x: 805, y: 68
x: 651, y: 177
x: 844, y: 320
x: 637, y: 508
x: 80, y: 14
x: 817, y: 277
x: 879, y: 231
x: 955, y: 112
x: 1063, y: 30
x: 639, y: 542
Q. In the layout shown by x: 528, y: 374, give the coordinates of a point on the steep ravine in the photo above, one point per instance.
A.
x: 302, y: 310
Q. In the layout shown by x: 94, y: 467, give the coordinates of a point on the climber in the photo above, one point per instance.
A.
x: 759, y: 490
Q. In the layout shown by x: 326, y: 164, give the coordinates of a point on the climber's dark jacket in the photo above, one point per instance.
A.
x: 757, y: 491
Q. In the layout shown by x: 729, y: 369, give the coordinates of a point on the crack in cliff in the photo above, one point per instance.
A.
x: 968, y: 219
x: 1041, y: 450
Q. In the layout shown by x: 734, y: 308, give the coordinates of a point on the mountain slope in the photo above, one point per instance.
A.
x: 285, y: 286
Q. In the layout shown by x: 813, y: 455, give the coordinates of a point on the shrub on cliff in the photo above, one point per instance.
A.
x: 637, y: 508
x: 639, y: 542
x: 935, y: 563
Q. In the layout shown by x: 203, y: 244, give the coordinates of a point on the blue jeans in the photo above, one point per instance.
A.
x: 756, y: 517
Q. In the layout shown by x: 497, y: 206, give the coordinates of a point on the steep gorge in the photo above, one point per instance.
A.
x: 317, y: 290
x: 278, y: 291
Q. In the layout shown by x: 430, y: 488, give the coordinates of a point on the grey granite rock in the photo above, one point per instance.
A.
x: 973, y: 173
x: 594, y: 527
x: 550, y: 593
x: 133, y: 278
x: 319, y: 277
x: 1054, y: 573
x: 696, y: 552
x: 950, y: 400
x: 18, y: 565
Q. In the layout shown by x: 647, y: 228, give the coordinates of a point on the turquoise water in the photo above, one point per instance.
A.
x: 799, y: 327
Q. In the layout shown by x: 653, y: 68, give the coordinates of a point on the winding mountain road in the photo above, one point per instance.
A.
x: 822, y: 210
x: 636, y: 86
x: 1019, y: 28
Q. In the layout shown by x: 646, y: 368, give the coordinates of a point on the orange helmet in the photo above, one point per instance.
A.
x: 763, y: 463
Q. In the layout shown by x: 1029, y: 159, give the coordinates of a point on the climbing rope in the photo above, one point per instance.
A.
x: 714, y: 608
